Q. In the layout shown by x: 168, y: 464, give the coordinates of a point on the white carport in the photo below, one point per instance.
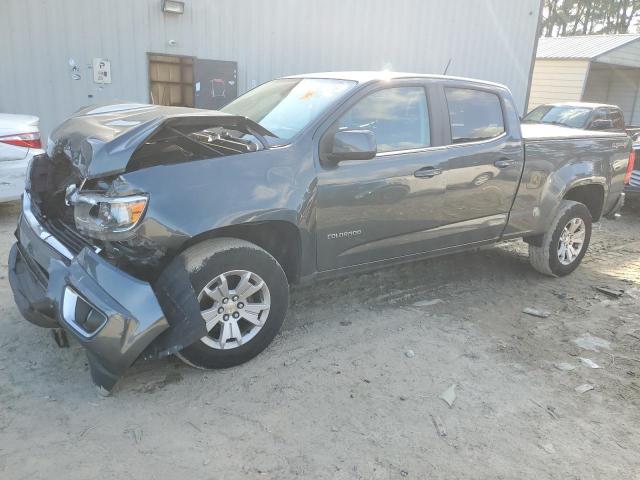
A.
x: 593, y: 68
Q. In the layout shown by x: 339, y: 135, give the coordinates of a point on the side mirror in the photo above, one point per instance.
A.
x: 353, y: 145
x: 601, y: 124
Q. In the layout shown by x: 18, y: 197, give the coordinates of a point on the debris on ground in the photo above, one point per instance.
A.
x: 437, y: 422
x: 60, y: 337
x: 449, y: 395
x: 584, y: 388
x: 409, y: 354
x: 551, y: 410
x: 195, y: 427
x: 562, y: 295
x: 103, y: 392
x: 136, y: 434
x: 549, y: 448
x: 345, y: 323
x: 536, y: 313
x: 611, y: 292
x: 289, y: 361
x: 589, y: 363
x: 566, y: 367
x: 589, y: 342
x: 428, y: 303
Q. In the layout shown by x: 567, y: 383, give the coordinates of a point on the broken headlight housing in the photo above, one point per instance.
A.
x: 108, y: 218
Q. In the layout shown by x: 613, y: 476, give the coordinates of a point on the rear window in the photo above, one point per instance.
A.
x: 574, y: 117
x: 617, y: 118
x: 474, y: 115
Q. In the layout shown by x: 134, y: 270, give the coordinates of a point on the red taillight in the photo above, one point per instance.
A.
x: 26, y: 140
x: 632, y: 161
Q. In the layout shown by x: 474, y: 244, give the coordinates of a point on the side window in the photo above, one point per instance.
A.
x: 617, y: 118
x: 475, y: 115
x: 398, y: 117
x: 599, y: 114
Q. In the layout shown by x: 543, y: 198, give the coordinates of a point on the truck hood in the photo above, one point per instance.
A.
x: 100, y: 140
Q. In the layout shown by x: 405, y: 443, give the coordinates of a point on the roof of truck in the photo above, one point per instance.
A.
x: 370, y: 76
x: 581, y: 104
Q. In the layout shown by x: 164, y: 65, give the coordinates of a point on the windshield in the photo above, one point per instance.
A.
x: 574, y: 117
x: 286, y: 106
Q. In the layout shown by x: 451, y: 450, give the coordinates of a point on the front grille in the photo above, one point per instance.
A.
x: 67, y: 234
x: 62, y: 231
x: 49, y: 178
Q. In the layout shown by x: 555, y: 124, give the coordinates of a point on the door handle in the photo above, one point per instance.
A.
x: 504, y: 163
x: 427, y: 172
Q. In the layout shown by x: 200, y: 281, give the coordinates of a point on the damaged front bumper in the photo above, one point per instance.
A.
x: 114, y: 315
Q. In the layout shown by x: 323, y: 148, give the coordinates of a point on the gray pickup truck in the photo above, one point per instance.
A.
x: 148, y: 230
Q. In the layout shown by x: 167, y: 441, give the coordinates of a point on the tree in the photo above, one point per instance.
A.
x: 586, y: 17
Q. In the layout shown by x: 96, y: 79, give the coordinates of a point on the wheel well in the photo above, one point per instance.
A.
x: 281, y: 239
x: 590, y: 195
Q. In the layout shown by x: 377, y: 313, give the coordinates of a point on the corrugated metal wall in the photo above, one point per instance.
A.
x: 488, y: 39
x: 627, y: 55
x: 622, y: 84
x: 597, y: 86
x: 617, y: 86
x: 557, y: 81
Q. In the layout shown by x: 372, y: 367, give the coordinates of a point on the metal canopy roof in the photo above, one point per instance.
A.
x: 583, y: 46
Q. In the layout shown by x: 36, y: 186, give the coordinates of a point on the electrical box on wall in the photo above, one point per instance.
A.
x: 101, y: 70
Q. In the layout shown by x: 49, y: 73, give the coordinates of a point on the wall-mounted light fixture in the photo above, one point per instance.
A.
x: 173, y: 6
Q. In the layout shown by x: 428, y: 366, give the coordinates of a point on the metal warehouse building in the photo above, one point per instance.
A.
x: 596, y: 68
x: 58, y: 55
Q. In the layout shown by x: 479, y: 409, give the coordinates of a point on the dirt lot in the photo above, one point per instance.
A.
x: 339, y: 395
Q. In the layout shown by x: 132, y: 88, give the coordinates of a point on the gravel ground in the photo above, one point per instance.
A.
x: 351, y: 388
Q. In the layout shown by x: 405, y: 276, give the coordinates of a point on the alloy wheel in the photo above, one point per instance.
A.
x: 571, y: 241
x: 235, y: 306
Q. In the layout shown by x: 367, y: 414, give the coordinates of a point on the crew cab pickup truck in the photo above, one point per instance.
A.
x: 148, y: 231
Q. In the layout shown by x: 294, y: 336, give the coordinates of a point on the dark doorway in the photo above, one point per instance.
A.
x: 215, y: 83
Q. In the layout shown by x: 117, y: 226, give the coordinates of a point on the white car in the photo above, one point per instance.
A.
x: 19, y: 141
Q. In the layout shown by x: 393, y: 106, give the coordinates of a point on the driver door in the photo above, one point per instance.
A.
x: 389, y: 206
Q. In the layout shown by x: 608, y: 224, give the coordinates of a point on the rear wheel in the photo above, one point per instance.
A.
x: 565, y: 243
x: 243, y: 296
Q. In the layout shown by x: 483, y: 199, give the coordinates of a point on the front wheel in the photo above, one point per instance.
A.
x: 565, y: 243
x: 243, y: 296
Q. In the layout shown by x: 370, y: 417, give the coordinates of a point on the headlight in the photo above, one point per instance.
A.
x: 108, y: 218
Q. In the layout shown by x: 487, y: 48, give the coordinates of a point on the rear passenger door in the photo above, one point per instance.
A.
x: 485, y: 160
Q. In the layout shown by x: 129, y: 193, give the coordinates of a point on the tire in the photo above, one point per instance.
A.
x: 218, y: 257
x: 546, y: 257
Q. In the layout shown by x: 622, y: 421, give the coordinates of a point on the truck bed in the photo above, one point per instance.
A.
x: 542, y: 131
x: 559, y: 158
